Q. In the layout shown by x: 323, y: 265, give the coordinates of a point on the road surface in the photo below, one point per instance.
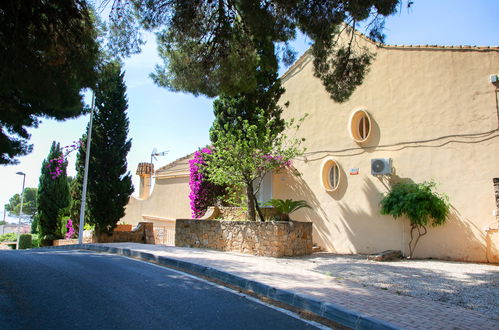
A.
x: 69, y: 289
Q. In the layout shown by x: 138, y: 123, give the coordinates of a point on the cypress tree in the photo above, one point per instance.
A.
x: 76, y: 185
x: 109, y: 183
x: 53, y: 193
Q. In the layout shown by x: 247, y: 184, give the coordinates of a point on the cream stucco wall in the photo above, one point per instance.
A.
x: 433, y: 111
x: 169, y: 200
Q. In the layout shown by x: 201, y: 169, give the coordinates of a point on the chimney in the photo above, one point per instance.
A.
x: 145, y: 171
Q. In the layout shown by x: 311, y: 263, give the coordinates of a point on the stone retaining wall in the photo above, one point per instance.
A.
x: 61, y: 242
x: 272, y: 239
x: 144, y: 233
x: 238, y: 213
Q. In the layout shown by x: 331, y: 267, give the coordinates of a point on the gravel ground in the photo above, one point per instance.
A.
x: 469, y: 285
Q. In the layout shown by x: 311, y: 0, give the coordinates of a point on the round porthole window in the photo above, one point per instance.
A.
x: 360, y: 126
x: 331, y: 175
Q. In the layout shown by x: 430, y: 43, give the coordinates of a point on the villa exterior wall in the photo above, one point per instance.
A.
x: 169, y: 200
x: 433, y: 112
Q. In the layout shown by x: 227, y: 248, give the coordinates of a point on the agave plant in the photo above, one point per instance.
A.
x: 287, y: 206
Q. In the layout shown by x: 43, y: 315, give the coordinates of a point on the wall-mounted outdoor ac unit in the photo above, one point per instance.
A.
x: 381, y: 166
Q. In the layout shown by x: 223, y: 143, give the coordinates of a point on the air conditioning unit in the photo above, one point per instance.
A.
x: 381, y: 166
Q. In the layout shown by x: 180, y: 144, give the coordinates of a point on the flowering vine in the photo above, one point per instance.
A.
x: 70, y: 233
x: 274, y: 161
x: 202, y: 191
x: 59, y: 161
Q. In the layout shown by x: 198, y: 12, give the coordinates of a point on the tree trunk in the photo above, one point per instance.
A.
x: 258, y: 210
x: 250, y: 201
x: 415, y: 227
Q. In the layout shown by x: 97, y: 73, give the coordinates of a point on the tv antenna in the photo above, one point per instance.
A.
x: 155, y: 154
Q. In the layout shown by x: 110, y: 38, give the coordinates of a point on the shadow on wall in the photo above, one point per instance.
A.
x: 365, y: 230
x: 299, y: 190
x: 458, y: 231
x: 359, y: 225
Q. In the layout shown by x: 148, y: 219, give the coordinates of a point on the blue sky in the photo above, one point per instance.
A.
x: 179, y: 122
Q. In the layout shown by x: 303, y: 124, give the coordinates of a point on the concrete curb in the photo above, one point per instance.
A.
x: 332, y: 312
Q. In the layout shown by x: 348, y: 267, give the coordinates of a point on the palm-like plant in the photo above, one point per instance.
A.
x: 287, y: 206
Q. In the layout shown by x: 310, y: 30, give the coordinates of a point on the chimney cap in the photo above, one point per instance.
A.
x: 145, y: 168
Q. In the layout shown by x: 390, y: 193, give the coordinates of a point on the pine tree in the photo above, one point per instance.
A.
x: 109, y: 183
x: 49, y: 54
x: 53, y: 193
x: 212, y: 47
x: 233, y: 110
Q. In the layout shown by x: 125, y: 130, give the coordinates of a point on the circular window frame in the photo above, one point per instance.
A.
x: 354, y: 122
x: 327, y: 165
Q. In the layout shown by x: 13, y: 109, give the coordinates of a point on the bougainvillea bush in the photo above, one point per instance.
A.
x: 203, y: 193
x: 71, y: 232
x: 56, y: 165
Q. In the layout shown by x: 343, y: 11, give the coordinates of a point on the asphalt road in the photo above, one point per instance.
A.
x: 64, y: 289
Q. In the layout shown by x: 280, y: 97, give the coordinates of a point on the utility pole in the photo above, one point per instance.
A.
x: 21, y: 209
x: 85, y: 175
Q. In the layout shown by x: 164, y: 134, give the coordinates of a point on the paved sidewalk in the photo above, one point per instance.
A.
x: 346, y: 303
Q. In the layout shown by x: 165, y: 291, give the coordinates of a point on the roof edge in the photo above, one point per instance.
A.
x: 173, y: 163
x: 308, y: 52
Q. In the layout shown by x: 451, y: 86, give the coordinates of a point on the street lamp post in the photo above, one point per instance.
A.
x: 21, y: 209
x: 85, y: 173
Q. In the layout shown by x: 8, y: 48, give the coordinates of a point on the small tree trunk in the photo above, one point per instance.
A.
x: 258, y: 210
x: 250, y: 202
x: 415, y: 227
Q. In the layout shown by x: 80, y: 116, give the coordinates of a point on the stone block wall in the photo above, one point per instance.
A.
x: 144, y: 233
x: 60, y: 242
x: 496, y: 192
x: 237, y: 213
x: 272, y: 239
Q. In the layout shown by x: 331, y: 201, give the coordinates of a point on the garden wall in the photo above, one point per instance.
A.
x: 144, y: 233
x: 237, y: 213
x: 272, y: 239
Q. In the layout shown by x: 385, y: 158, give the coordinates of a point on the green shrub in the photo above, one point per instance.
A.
x: 88, y: 226
x: 47, y: 240
x: 420, y: 204
x: 10, y: 237
x: 25, y: 241
x: 34, y: 225
x: 35, y: 240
